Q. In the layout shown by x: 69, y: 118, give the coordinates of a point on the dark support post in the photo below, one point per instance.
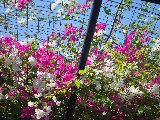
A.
x: 27, y: 15
x: 17, y: 34
x: 38, y: 25
x: 153, y: 1
x: 85, y: 51
x: 4, y: 3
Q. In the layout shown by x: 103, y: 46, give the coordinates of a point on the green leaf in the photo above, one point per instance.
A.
x: 77, y: 82
x: 5, y: 27
x: 107, y: 11
x: 67, y: 17
x: 41, y: 19
x: 5, y: 91
x: 82, y: 72
x: 35, y: 35
x: 141, y: 16
x: 23, y: 13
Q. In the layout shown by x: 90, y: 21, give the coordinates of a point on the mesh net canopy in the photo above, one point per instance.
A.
x: 42, y: 19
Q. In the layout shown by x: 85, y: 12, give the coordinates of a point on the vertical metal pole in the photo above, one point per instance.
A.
x: 17, y: 34
x: 5, y: 17
x: 38, y: 25
x: 53, y: 22
x: 4, y: 3
x: 85, y: 51
x: 27, y: 15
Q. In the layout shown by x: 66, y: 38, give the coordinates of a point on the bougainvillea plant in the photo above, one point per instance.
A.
x: 120, y: 81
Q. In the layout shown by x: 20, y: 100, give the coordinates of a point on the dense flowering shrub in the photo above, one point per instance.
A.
x: 114, y: 79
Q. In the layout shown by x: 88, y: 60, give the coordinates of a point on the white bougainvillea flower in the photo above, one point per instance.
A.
x: 47, y: 76
x: 156, y: 46
x: 8, y: 10
x: 18, y: 60
x: 155, y: 89
x: 52, y: 44
x: 23, y: 42
x: 104, y: 113
x: 8, y: 61
x: 31, y: 104
x: 68, y: 1
x: 50, y: 85
x: 83, y: 80
x: 100, y: 33
x: 51, y: 77
x: 22, y: 21
x: 130, y: 92
x: 38, y: 95
x: 134, y: 91
x: 32, y: 16
x: 43, y: 113
x: 124, y: 31
x: 117, y: 84
x: 92, y: 58
x: 59, y: 12
x: 97, y: 72
x: 54, y: 98
x: 48, y: 109
x: 39, y: 113
x: 54, y: 5
x: 98, y: 87
x: 15, y: 67
x: 39, y: 84
x: 58, y: 103
x: 32, y: 60
x: 14, y: 61
x: 1, y: 96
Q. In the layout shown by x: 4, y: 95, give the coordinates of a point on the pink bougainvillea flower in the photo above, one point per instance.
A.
x: 145, y: 32
x: 27, y: 112
x: 81, y: 8
x: 22, y: 47
x: 100, y: 26
x: 28, y: 0
x: 73, y: 38
x: 70, y: 30
x: 147, y: 39
x: 79, y: 99
x: 148, y: 86
x: 71, y: 10
x: 12, y: 93
x: 9, y: 41
x: 136, y: 73
x: 133, y: 32
x: 129, y: 37
x: 86, y: 5
x: 22, y: 3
